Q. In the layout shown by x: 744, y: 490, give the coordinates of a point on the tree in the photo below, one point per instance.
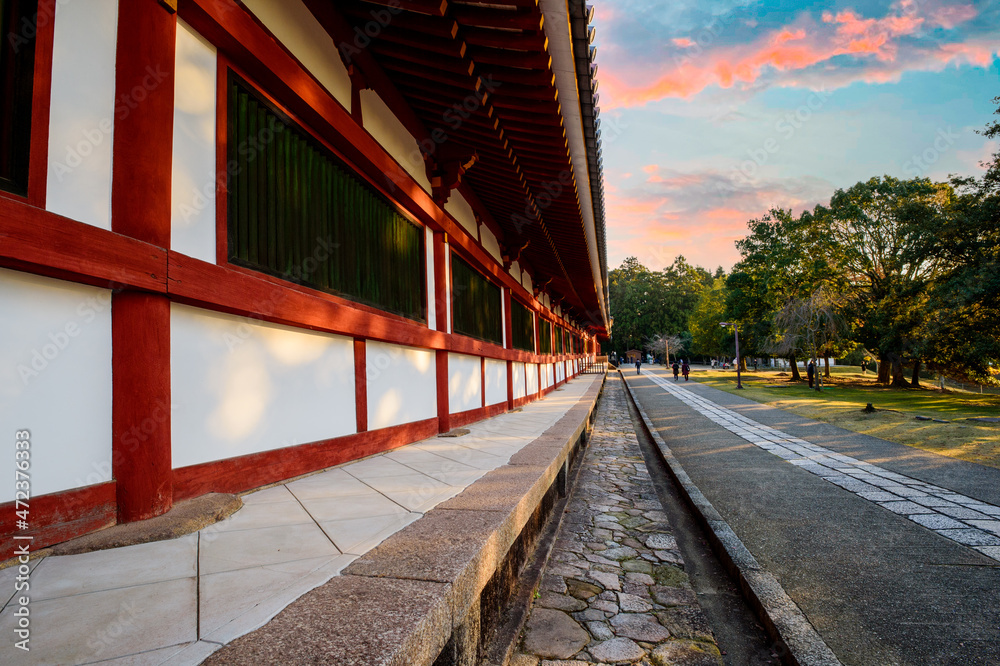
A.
x: 812, y: 325
x: 962, y: 338
x: 883, y: 230
x: 783, y: 258
x: 632, y: 294
x: 667, y: 344
x: 707, y: 337
x: 646, y: 304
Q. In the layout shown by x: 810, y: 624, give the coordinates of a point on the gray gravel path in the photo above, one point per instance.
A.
x: 614, y: 589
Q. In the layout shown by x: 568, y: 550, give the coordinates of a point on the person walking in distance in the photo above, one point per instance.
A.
x: 638, y: 362
x: 686, y: 369
x: 677, y: 369
x: 811, y: 372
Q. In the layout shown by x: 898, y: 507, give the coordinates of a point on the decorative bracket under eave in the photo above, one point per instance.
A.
x: 445, y: 168
x: 510, y: 257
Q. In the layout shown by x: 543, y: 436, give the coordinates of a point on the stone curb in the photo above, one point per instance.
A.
x: 401, y: 602
x: 783, y: 619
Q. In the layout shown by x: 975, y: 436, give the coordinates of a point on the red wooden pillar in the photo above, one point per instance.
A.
x: 510, y: 345
x: 510, y: 385
x: 442, y: 293
x: 444, y: 409
x: 441, y: 288
x: 482, y: 379
x: 140, y: 208
x: 361, y: 383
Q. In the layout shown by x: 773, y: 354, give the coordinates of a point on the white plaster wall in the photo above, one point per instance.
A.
x: 385, y: 127
x: 429, y: 272
x: 462, y: 212
x: 515, y: 271
x: 489, y: 242
x: 560, y: 369
x: 517, y: 376
x: 465, y: 377
x: 402, y: 384
x: 496, y: 381
x: 532, y: 375
x: 546, y: 375
x: 55, y: 381
x: 192, y: 196
x: 82, y: 112
x: 299, y: 31
x: 242, y: 386
x: 526, y: 281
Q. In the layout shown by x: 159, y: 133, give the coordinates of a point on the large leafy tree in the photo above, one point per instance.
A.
x: 883, y: 230
x: 783, y: 259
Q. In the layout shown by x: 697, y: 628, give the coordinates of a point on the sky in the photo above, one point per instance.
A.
x: 715, y: 111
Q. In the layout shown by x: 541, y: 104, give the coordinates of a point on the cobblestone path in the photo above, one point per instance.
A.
x: 614, y: 589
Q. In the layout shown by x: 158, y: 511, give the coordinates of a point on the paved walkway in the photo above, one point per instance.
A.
x: 890, y: 552
x: 952, y: 515
x: 177, y: 601
x: 614, y: 589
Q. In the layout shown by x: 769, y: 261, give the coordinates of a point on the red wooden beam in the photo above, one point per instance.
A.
x: 40, y: 242
x: 234, y: 475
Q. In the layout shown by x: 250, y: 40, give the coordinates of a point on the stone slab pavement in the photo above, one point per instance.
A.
x: 614, y: 589
x: 890, y: 552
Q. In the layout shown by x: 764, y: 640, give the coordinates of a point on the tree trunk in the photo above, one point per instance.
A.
x: 796, y: 377
x: 883, y: 370
x: 898, y: 379
x: 826, y: 361
x: 915, y: 381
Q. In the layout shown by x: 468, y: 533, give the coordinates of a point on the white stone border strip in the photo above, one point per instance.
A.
x: 962, y: 519
x: 785, y: 621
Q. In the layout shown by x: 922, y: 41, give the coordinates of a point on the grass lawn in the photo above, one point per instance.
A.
x: 847, y: 392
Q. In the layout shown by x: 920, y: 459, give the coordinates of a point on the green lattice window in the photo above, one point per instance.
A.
x: 544, y: 336
x: 522, y: 327
x: 475, y: 303
x: 296, y: 211
x: 17, y: 74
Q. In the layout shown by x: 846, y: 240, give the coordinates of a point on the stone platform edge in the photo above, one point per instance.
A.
x: 782, y: 618
x: 418, y: 592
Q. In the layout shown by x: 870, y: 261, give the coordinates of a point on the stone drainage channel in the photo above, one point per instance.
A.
x: 630, y: 579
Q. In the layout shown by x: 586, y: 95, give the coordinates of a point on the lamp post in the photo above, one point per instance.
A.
x: 724, y: 324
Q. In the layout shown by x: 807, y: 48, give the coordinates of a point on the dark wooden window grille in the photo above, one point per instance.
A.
x: 475, y: 303
x: 544, y: 336
x: 18, y: 26
x: 296, y: 211
x: 522, y: 327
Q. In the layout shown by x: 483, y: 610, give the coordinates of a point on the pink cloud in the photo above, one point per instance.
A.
x: 683, y: 42
x: 787, y: 51
x: 949, y: 17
